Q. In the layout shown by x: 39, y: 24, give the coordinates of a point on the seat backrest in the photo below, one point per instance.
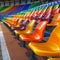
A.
x: 16, y: 21
x: 39, y: 12
x: 42, y: 13
x: 28, y: 14
x: 48, y: 14
x: 30, y: 17
x: 16, y: 16
x: 32, y: 13
x: 55, y: 36
x: 40, y: 28
x: 35, y: 14
x: 19, y: 22
x: 55, y: 7
x: 48, y: 10
x: 56, y: 19
x: 30, y: 25
x: 55, y: 10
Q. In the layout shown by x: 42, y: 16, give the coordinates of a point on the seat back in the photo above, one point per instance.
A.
x: 30, y: 17
x: 56, y: 19
x: 30, y: 25
x: 16, y: 21
x: 48, y: 10
x: 8, y: 20
x: 35, y: 14
x: 40, y: 28
x: 28, y: 14
x: 55, y: 7
x: 55, y: 36
x: 19, y: 22
x: 48, y: 14
x: 55, y: 10
x: 16, y: 16
x: 42, y: 13
x: 44, y: 10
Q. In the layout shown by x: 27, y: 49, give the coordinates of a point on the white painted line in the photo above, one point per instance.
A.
x: 5, y: 53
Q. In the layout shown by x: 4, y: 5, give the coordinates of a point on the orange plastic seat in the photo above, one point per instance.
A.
x: 49, y: 48
x: 28, y: 30
x: 18, y: 23
x: 55, y: 21
x: 38, y: 34
x: 14, y: 22
x: 53, y: 59
x: 11, y: 21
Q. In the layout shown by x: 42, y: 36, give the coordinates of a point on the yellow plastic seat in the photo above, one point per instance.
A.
x: 12, y: 23
x: 28, y: 30
x: 53, y: 59
x: 9, y: 21
x: 55, y: 21
x: 17, y: 24
x: 27, y: 14
x: 49, y: 48
x: 16, y: 16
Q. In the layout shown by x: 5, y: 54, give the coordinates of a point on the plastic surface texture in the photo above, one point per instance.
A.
x: 38, y: 34
x: 49, y: 48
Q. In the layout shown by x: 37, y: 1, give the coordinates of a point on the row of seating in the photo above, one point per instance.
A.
x: 3, y: 8
x: 14, y: 24
x: 15, y: 9
x: 30, y: 25
x: 30, y: 37
x: 35, y: 14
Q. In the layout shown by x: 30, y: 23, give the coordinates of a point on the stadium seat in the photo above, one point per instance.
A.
x: 55, y: 21
x: 38, y: 34
x: 49, y: 48
x: 28, y: 30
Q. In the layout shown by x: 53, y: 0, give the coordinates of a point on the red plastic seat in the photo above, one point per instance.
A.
x: 22, y: 25
x: 38, y: 34
x: 55, y: 10
x: 48, y: 14
x: 41, y: 15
